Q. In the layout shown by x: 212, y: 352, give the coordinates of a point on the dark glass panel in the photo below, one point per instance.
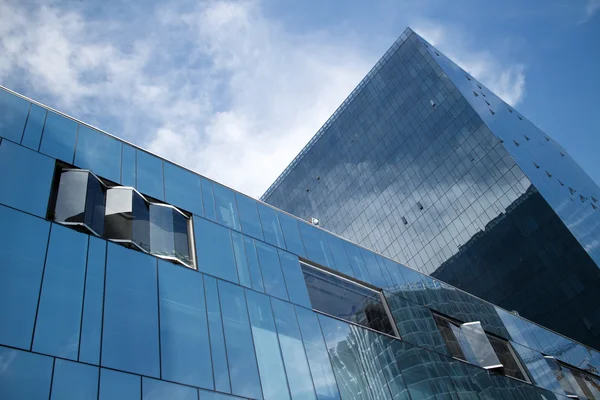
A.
x: 33, y: 130
x: 13, y: 113
x: 270, y: 226
x: 74, y: 381
x: 28, y: 377
x: 249, y: 219
x: 99, y: 153
x: 59, y: 137
x: 511, y: 366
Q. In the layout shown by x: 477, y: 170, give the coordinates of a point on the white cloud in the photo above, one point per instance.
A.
x: 504, y: 78
x: 591, y: 8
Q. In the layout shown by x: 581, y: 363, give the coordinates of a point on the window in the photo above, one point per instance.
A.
x: 347, y: 300
x: 574, y: 382
x: 121, y: 214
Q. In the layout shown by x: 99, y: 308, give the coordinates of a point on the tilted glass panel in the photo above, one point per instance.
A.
x: 206, y: 395
x: 248, y: 213
x: 33, y: 130
x: 271, y: 270
x: 208, y: 199
x: 168, y: 234
x: 356, y: 262
x: 99, y: 153
x: 127, y: 217
x: 270, y: 226
x: 315, y: 242
x: 291, y: 234
x: 59, y: 137
x: 182, y: 189
x: 253, y: 265
x: 480, y: 344
x: 266, y: 345
x: 153, y: 389
x: 226, y: 208
x: 243, y: 371
x: 241, y: 260
x: 128, y: 166
x: 184, y: 341
x: 294, y: 279
x: 119, y: 385
x: 347, y: 300
x: 13, y: 113
x: 538, y: 368
x: 447, y: 330
x: 340, y: 258
x: 214, y: 250
x: 150, y: 175
x: 58, y: 321
x: 29, y: 375
x: 509, y: 360
x: 74, y: 381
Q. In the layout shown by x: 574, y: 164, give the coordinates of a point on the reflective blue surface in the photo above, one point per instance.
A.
x: 270, y: 225
x: 13, y: 114
x: 74, y: 381
x: 59, y: 312
x: 253, y: 265
x: 150, y: 175
x: 24, y: 375
x: 217, y: 338
x: 98, y: 152
x: 206, y: 395
x: 26, y: 178
x: 208, y: 199
x: 249, y: 220
x: 130, y: 330
x: 23, y: 241
x: 119, y: 386
x: 241, y: 260
x: 291, y: 234
x: 271, y: 270
x: 153, y: 389
x: 128, y: 166
x: 294, y: 279
x: 184, y: 340
x: 33, y: 129
x: 59, y: 137
x: 315, y: 243
x: 182, y: 189
x: 226, y: 208
x: 214, y: 250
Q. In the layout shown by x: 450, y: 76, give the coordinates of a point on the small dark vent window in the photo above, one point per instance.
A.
x: 419, y: 205
x: 307, y: 190
x: 594, y: 206
x: 516, y: 143
x: 510, y: 110
x: 537, y: 166
x: 437, y: 54
x: 526, y: 137
x: 562, y: 154
x: 483, y: 94
x: 549, y: 174
x: 468, y: 77
x: 432, y: 103
x: 404, y: 221
x: 594, y: 199
x: 561, y: 183
x: 475, y: 93
x: 318, y: 178
x: 520, y: 117
x: 547, y: 138
x: 492, y: 112
x: 582, y: 198
x: 572, y: 190
x: 479, y: 86
x: 501, y: 141
x: 487, y: 102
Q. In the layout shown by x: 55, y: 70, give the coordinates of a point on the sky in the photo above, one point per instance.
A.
x: 234, y: 89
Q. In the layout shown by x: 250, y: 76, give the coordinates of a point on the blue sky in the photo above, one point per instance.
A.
x: 234, y: 89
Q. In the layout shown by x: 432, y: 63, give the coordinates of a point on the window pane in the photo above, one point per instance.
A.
x: 119, y: 385
x: 270, y: 226
x: 150, y: 175
x: 184, y: 342
x: 59, y: 136
x: 340, y: 258
x: 394, y: 273
x: 153, y: 389
x: 23, y: 241
x: 217, y: 340
x: 317, y: 248
x: 292, y: 349
x: 511, y: 366
x: 270, y: 364
x: 538, y: 368
x: 33, y: 129
x: 28, y: 377
x: 227, y: 213
x: 253, y: 265
x: 130, y: 331
x: 479, y: 343
x: 206, y: 395
x: 128, y: 166
x: 91, y: 328
x: 20, y: 165
x: 74, y: 381
x: 13, y: 113
x: 356, y: 262
x: 271, y: 270
x: 316, y: 352
x: 162, y: 232
x: 240, y: 259
x: 249, y: 219
x: 214, y: 250
x: 59, y: 313
x: 377, y: 278
x: 243, y: 371
x: 99, y: 153
x: 389, y: 368
x: 294, y: 280
x: 208, y: 200
x: 291, y: 234
x: 182, y: 189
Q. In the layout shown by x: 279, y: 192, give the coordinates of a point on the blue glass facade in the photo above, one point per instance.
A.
x: 86, y: 317
x: 425, y: 165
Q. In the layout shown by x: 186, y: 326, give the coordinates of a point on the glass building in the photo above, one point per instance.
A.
x: 425, y: 165
x: 125, y: 276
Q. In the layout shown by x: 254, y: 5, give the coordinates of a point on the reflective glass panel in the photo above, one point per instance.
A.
x: 81, y: 200
x: 119, y: 385
x: 13, y: 113
x: 91, y: 324
x: 270, y: 226
x: 23, y: 241
x: 291, y: 234
x: 539, y: 370
x: 217, y: 339
x: 150, y: 175
x: 26, y: 178
x: 28, y: 377
x: 294, y: 280
x: 127, y: 217
x: 347, y: 300
x: 375, y: 273
x: 208, y: 199
x: 130, y: 330
x: 227, y: 213
x: 382, y: 346
x: 214, y: 250
x: 74, y: 381
x: 508, y: 359
x: 99, y: 153
x: 479, y: 343
x: 169, y: 233
x: 33, y: 129
x: 206, y: 395
x: 356, y: 262
x: 292, y: 349
x: 58, y: 138
x: 184, y: 341
x: 248, y: 212
x: 271, y: 270
x: 182, y: 189
x: 243, y: 370
x: 268, y: 355
x: 340, y: 258
x: 253, y: 265
x: 241, y: 259
x: 315, y: 242
x: 128, y: 166
x: 58, y: 321
x: 153, y: 389
x: 316, y: 352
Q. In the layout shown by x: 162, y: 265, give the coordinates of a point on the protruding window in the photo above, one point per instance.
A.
x: 404, y: 221
x: 526, y: 137
x: 516, y: 143
x: 572, y: 190
x: 419, y: 205
x: 468, y: 77
x: 510, y: 110
x: 492, y: 112
x: 561, y: 183
x: 520, y: 117
x: 549, y: 174
x: 487, y: 102
x: 537, y: 166
x: 562, y: 154
x: 432, y: 103
x: 475, y: 93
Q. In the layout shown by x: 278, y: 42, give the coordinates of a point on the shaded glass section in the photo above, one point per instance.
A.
x: 241, y: 260
x: 347, y: 300
x: 153, y: 389
x: 119, y: 385
x: 28, y: 377
x: 182, y: 189
x: 127, y: 217
x: 74, y: 381
x: 226, y: 209
x: 315, y: 242
x: 539, y: 370
x: 271, y: 270
x: 214, y: 250
x: 23, y: 241
x: 169, y: 234
x: 270, y: 226
x: 26, y: 178
x: 58, y: 321
x: 253, y: 265
x: 33, y: 129
x: 479, y: 343
x: 13, y: 114
x: 248, y: 213
x: 243, y: 372
x: 59, y: 137
x: 208, y: 199
x: 99, y: 153
x: 130, y: 330
x: 150, y: 175
x: 294, y: 280
x: 128, y: 166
